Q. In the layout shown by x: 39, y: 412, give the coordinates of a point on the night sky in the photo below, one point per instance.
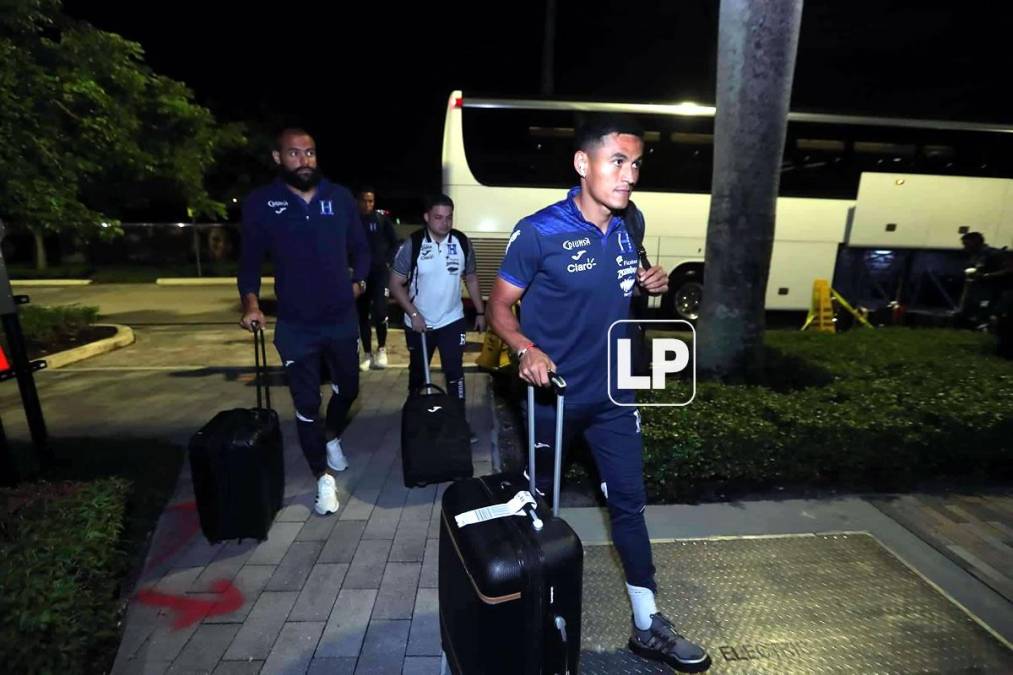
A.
x: 371, y: 81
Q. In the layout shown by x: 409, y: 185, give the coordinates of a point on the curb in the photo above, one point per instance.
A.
x: 124, y: 336
x: 51, y: 282
x: 203, y: 281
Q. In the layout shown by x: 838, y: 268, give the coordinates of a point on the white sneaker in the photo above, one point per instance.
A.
x: 380, y: 362
x: 366, y: 363
x: 327, y: 495
x: 335, y: 457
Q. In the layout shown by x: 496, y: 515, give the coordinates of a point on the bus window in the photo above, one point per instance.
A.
x: 816, y: 167
x: 534, y: 148
x: 937, y: 158
x: 519, y: 148
x: 824, y: 156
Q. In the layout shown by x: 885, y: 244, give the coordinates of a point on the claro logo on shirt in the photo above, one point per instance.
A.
x: 279, y: 207
x: 585, y: 266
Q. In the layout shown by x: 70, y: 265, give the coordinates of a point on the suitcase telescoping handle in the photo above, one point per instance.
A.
x: 428, y: 385
x: 260, y: 362
x: 559, y: 386
x: 425, y: 359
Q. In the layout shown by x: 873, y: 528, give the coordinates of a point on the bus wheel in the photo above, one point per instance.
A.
x: 685, y: 294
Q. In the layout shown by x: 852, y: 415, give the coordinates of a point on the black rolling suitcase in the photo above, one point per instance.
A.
x: 510, y: 587
x: 238, y: 467
x: 435, y: 438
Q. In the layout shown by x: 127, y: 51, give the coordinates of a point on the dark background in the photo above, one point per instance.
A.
x: 371, y: 81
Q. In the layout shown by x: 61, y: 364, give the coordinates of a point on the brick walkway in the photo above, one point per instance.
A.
x: 353, y: 592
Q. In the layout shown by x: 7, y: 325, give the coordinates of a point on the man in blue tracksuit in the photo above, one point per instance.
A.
x: 311, y: 228
x: 575, y: 266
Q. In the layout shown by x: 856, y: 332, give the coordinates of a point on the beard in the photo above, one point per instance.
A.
x: 301, y: 179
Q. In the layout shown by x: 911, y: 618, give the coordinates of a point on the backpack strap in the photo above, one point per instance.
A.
x: 416, y: 250
x: 635, y: 225
x: 465, y: 245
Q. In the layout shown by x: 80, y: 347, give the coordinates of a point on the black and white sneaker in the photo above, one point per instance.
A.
x: 661, y: 642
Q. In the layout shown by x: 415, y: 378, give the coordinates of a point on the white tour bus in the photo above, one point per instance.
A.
x: 875, y: 204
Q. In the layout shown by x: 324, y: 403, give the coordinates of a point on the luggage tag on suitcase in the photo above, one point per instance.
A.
x: 514, y: 507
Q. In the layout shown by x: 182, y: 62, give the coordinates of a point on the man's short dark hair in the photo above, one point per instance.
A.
x: 976, y: 237
x: 591, y: 129
x: 433, y: 201
x: 364, y: 189
x: 289, y: 131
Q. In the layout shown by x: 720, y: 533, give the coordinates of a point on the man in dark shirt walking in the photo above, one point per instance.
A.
x: 373, y: 303
x: 312, y: 230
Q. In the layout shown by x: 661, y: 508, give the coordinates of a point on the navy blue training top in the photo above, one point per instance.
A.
x: 577, y: 282
x: 312, y: 246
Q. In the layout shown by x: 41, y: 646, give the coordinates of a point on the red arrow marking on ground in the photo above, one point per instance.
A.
x: 191, y: 610
x: 178, y: 533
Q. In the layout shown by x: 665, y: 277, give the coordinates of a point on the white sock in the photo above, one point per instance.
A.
x: 642, y: 600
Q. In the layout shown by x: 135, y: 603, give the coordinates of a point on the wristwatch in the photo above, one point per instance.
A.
x: 362, y: 285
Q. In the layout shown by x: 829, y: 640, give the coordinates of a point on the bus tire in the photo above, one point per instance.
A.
x: 685, y: 293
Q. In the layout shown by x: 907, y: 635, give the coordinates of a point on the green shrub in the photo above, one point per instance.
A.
x: 43, y: 325
x: 864, y: 409
x: 60, y: 563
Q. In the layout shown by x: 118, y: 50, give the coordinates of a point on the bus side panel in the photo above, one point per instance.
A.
x: 901, y: 211
x: 485, y: 212
x: 1004, y: 233
x: 794, y: 265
